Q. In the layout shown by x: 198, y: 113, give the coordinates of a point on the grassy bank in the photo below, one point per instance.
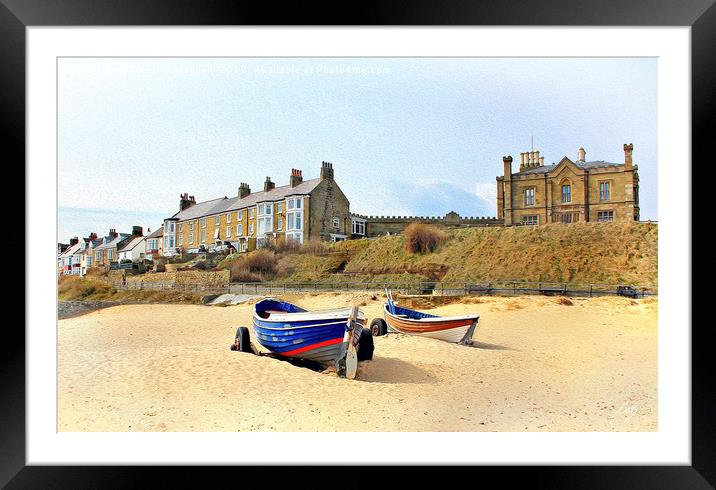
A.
x: 589, y: 253
x: 72, y: 288
x: 584, y: 253
x: 581, y: 253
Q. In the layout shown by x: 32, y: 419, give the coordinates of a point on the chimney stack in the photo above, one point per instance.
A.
x: 137, y: 231
x: 541, y: 161
x: 185, y: 201
x: 581, y: 155
x: 92, y: 236
x: 74, y: 241
x: 507, y: 163
x: 112, y: 233
x: 628, y: 149
x: 536, y: 161
x: 268, y: 185
x: 244, y: 190
x: 326, y: 170
x: 522, y: 162
x: 296, y: 177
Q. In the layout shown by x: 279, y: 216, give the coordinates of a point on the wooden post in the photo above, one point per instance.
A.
x: 590, y: 290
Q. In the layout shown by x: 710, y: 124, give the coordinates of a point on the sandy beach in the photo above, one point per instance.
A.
x: 536, y: 365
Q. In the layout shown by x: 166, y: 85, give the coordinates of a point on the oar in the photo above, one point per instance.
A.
x: 347, y: 363
x: 391, y: 304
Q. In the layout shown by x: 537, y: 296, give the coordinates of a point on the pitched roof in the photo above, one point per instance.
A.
x: 275, y: 194
x: 586, y: 165
x: 159, y: 232
x: 110, y: 242
x: 73, y: 249
x: 197, y: 210
x: 224, y: 204
x: 131, y: 244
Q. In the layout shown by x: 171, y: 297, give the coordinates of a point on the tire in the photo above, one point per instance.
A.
x: 378, y: 327
x: 365, y: 345
x: 242, y: 343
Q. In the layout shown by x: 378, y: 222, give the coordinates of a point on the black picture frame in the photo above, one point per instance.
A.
x: 16, y: 15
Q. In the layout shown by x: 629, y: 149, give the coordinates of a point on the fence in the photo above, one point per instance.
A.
x: 439, y: 288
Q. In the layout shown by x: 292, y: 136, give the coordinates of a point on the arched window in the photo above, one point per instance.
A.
x: 566, y: 191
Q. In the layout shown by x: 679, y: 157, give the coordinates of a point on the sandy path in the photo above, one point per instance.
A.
x: 537, y: 366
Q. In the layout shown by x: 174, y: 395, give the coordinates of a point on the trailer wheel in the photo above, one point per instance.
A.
x: 378, y: 327
x: 365, y: 345
x: 242, y: 342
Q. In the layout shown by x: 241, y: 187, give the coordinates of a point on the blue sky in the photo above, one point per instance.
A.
x: 406, y: 136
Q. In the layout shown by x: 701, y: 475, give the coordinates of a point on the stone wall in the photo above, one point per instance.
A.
x: 381, y: 225
x: 184, y: 277
x: 328, y: 202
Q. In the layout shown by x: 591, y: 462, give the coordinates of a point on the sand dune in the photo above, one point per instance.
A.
x: 536, y: 366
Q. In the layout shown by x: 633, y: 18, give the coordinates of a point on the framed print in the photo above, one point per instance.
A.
x: 295, y: 240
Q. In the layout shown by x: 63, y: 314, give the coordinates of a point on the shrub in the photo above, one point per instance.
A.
x: 256, y: 266
x: 240, y: 274
x: 262, y: 261
x: 201, y: 265
x: 77, y: 289
x: 281, y: 246
x: 285, y: 266
x: 422, y: 238
x: 314, y: 247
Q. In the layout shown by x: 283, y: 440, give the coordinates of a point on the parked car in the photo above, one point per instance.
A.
x: 193, y: 251
x: 223, y: 247
x: 628, y: 291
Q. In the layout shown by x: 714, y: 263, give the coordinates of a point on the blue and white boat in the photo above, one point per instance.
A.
x: 320, y: 335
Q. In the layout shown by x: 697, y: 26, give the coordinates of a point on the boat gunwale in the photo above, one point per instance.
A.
x: 434, y: 319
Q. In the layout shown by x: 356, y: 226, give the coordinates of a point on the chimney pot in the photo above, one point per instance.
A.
x: 581, y: 155
x: 268, y: 185
x: 628, y: 150
x: 244, y: 190
x: 296, y: 177
x: 326, y: 170
x: 185, y: 201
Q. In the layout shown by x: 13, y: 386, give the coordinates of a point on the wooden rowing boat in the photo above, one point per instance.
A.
x: 324, y: 336
x: 458, y: 329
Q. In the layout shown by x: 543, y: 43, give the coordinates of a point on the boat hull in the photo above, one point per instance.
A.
x: 315, y: 336
x: 459, y: 329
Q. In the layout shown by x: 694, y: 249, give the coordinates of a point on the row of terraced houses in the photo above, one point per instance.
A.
x: 317, y: 209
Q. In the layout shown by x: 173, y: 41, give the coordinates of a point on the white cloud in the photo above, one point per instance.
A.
x: 487, y: 191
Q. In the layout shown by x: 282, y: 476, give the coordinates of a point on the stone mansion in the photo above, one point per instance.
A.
x: 568, y: 192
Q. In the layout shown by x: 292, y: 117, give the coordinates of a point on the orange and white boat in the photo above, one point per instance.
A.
x: 458, y: 329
